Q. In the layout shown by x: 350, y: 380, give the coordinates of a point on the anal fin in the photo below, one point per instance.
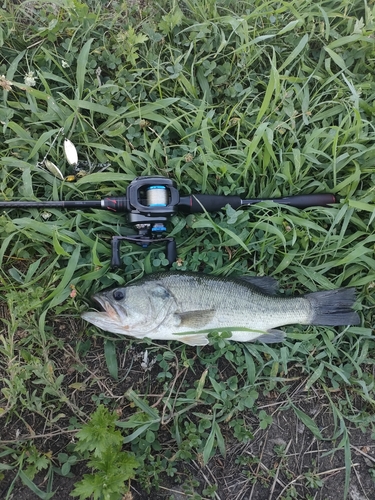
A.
x: 193, y: 339
x: 271, y: 337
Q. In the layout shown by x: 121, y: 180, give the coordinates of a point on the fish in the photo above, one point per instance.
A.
x: 188, y: 306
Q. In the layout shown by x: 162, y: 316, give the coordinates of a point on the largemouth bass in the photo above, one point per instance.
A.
x: 187, y: 306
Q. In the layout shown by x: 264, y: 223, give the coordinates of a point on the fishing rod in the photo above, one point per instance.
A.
x: 151, y: 200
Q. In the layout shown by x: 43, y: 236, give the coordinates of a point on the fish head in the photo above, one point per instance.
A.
x: 131, y: 310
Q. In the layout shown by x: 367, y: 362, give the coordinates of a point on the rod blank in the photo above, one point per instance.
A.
x: 188, y: 204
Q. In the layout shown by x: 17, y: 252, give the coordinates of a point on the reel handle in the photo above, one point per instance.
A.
x: 115, y: 252
x: 171, y: 250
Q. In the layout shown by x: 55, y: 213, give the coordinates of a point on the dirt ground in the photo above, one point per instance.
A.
x: 256, y: 479
x: 284, y: 461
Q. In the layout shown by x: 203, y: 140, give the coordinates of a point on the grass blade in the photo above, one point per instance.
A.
x: 273, y: 89
x: 208, y: 447
x: 81, y: 67
x: 111, y: 358
x: 34, y: 488
x: 295, y: 53
x: 307, y: 421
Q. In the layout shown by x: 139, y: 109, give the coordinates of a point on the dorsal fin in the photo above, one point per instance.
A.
x: 266, y: 284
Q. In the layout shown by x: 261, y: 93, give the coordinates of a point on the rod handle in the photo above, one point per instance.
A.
x: 198, y: 203
x: 307, y: 200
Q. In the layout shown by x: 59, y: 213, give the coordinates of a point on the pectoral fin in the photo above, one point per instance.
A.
x: 194, y: 319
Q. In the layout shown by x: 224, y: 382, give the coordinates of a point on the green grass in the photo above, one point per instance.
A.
x: 257, y: 99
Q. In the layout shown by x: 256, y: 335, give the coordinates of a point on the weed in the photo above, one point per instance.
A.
x: 101, y: 443
x: 250, y: 98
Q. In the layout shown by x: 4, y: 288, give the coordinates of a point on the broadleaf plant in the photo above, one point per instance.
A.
x: 112, y: 466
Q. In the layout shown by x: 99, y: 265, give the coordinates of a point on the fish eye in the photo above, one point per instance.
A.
x: 119, y: 294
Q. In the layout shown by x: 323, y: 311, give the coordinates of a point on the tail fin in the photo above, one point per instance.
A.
x: 333, y: 307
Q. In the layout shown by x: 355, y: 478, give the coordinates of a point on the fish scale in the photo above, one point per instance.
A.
x: 228, y: 298
x: 188, y: 306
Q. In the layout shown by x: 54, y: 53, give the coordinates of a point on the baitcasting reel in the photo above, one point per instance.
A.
x: 149, y: 202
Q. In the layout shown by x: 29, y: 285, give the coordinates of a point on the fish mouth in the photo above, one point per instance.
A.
x: 106, y: 307
x: 107, y: 317
x: 100, y: 302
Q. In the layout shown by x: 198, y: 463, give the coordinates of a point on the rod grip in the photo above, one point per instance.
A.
x: 308, y: 200
x: 198, y: 203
